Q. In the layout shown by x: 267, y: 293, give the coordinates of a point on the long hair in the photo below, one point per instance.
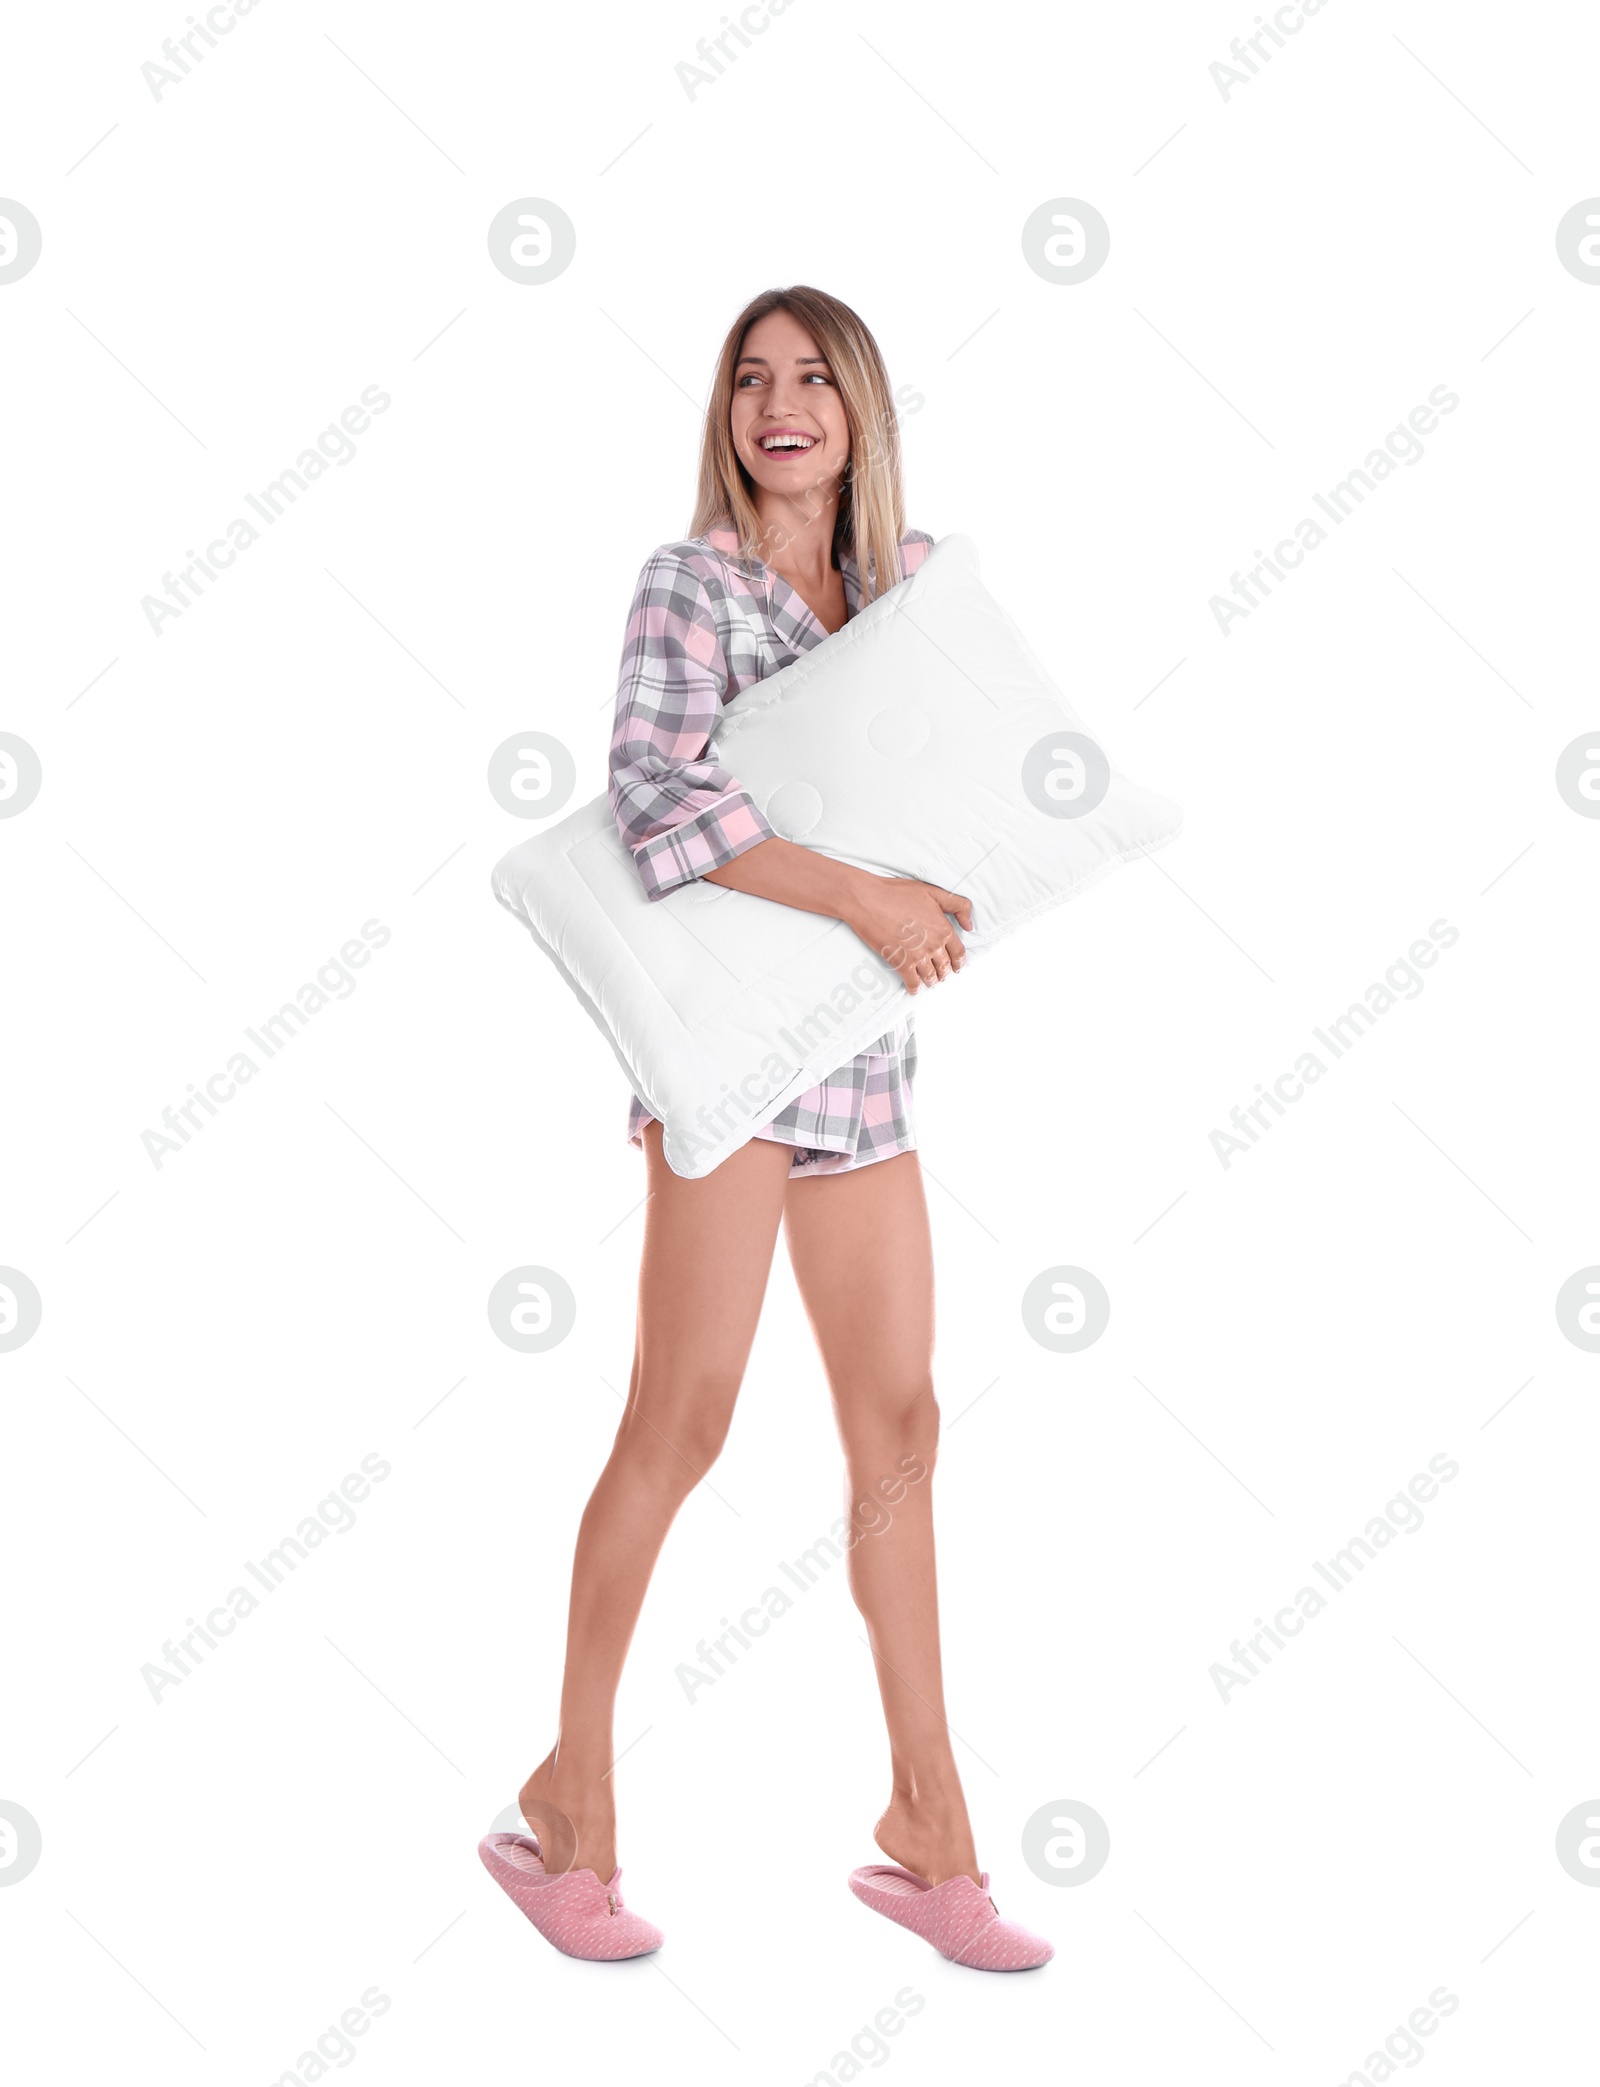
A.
x: 871, y: 519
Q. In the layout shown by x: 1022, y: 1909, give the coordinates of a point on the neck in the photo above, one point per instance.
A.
x: 798, y: 533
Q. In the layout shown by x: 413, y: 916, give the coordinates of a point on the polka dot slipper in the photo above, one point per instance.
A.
x: 575, y: 1912
x: 958, y: 1917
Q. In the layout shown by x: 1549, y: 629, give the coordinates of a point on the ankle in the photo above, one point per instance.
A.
x: 575, y: 1767
x: 929, y: 1798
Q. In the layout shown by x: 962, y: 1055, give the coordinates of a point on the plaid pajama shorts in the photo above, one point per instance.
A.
x: 856, y: 1115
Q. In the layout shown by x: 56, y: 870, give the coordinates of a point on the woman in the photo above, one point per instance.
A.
x: 798, y: 522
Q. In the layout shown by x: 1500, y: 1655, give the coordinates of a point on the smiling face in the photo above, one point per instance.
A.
x: 788, y: 420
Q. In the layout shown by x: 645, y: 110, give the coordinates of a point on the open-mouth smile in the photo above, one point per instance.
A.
x: 786, y: 442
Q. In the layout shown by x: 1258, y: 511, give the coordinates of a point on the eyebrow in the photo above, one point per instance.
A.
x: 799, y: 359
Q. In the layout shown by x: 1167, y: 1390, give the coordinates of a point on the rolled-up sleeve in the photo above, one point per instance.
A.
x: 678, y: 812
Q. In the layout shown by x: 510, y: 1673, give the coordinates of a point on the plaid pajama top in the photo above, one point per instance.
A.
x: 702, y: 627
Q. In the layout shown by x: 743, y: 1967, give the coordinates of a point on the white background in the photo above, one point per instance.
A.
x: 1292, y: 1337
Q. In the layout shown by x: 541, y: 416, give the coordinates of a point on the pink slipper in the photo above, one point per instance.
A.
x: 958, y: 1917
x: 575, y: 1911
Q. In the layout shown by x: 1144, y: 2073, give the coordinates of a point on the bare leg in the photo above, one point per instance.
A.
x: 861, y: 1253
x: 707, y: 1254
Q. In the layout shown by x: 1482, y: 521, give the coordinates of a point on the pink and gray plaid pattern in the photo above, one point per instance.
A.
x: 702, y: 627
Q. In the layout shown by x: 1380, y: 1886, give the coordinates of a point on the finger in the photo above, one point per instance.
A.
x: 926, y: 972
x: 956, y: 950
x: 953, y: 902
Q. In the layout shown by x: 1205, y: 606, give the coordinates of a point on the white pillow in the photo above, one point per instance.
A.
x: 923, y: 739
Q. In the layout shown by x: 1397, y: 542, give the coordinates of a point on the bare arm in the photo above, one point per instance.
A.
x: 900, y: 919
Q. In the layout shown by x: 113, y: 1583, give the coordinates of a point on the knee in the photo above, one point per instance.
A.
x: 895, y: 1434
x: 670, y: 1442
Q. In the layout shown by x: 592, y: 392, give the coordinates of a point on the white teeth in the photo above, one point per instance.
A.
x: 772, y: 442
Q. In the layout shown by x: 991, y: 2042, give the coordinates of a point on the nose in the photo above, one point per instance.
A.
x: 787, y: 402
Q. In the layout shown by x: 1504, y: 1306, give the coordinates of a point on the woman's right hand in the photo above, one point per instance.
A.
x: 903, y: 920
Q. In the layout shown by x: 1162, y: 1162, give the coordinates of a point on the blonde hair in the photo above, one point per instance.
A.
x: 871, y: 519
